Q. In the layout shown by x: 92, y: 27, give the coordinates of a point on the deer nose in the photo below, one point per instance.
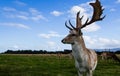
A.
x: 62, y: 41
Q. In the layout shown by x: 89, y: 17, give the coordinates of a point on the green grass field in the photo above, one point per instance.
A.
x: 49, y: 65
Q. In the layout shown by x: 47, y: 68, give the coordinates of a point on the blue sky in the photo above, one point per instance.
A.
x: 39, y: 24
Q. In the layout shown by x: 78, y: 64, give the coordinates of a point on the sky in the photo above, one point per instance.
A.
x: 40, y: 24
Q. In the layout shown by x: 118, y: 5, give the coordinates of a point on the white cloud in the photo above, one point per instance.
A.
x: 76, y: 9
x: 31, y: 14
x: 49, y: 35
x: 13, y: 13
x: 89, y: 40
x: 99, y: 42
x: 38, y: 17
x: 91, y: 28
x: 51, y: 43
x: 15, y: 25
x: 56, y: 13
x: 16, y: 47
x: 54, y: 46
x: 112, y: 10
x: 118, y: 1
x: 9, y: 9
x: 19, y: 3
x: 84, y: 8
x: 24, y: 13
x: 109, y: 42
x: 22, y: 17
x: 17, y: 16
x: 33, y: 11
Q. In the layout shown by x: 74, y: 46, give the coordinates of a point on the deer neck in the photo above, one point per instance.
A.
x: 79, y: 48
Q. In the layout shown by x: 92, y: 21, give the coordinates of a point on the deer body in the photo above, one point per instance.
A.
x: 85, y: 59
x: 108, y: 55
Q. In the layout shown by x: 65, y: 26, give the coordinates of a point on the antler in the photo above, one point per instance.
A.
x: 78, y: 21
x: 96, y: 17
x: 72, y: 27
x: 67, y: 26
x: 96, y: 14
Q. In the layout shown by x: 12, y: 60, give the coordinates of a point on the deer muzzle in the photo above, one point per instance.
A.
x: 63, y: 41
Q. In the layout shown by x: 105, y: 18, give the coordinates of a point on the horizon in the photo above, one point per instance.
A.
x: 97, y: 50
x: 55, y: 51
x: 40, y: 24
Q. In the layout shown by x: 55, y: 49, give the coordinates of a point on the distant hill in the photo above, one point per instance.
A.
x: 113, y: 49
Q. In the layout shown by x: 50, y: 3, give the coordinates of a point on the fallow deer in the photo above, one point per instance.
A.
x: 109, y: 55
x: 85, y: 59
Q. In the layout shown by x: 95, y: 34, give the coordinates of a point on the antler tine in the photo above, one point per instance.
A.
x: 71, y: 25
x: 81, y: 17
x: 98, y: 11
x: 78, y: 21
x: 67, y: 26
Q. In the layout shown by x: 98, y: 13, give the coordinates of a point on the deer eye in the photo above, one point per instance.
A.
x: 73, y: 34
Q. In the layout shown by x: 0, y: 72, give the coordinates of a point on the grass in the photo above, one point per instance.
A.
x: 49, y: 65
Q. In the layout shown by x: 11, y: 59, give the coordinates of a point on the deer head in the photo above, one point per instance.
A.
x: 75, y: 32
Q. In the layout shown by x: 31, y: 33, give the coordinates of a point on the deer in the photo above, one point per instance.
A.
x: 85, y: 59
x: 109, y: 55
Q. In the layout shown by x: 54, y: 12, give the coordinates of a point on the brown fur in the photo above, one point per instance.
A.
x: 109, y: 55
x: 85, y: 59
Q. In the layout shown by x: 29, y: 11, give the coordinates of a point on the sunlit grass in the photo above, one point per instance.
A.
x: 39, y: 65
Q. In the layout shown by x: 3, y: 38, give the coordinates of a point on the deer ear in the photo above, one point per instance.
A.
x: 80, y: 32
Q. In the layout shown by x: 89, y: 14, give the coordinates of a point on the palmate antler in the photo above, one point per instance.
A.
x: 98, y: 11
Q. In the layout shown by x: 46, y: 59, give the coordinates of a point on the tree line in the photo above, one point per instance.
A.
x: 66, y: 51
x: 36, y: 52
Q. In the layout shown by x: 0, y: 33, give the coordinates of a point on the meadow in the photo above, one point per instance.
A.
x: 49, y: 65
